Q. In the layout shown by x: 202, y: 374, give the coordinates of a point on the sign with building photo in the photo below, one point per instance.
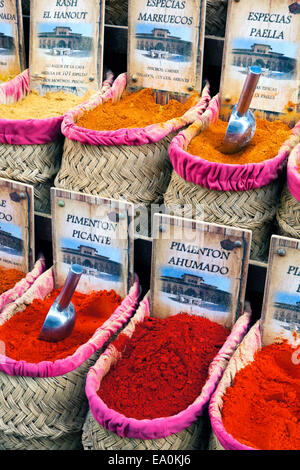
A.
x: 198, y: 268
x: 12, y: 60
x: 96, y: 233
x: 165, y: 44
x: 16, y: 225
x: 265, y: 33
x: 66, y: 45
x: 281, y: 305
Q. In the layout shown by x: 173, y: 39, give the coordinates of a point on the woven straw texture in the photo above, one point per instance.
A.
x: 137, y: 173
x: 25, y: 7
x: 32, y: 164
x: 288, y: 215
x: 214, y: 443
x: 216, y: 12
x: 253, y: 210
x: 44, y: 413
x: 95, y: 437
x: 116, y: 12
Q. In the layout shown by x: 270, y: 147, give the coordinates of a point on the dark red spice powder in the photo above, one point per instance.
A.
x: 163, y: 366
x: 20, y: 333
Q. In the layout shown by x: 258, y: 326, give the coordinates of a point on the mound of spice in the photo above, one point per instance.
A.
x: 267, y: 140
x: 133, y: 110
x: 9, y: 278
x: 34, y: 106
x: 262, y: 407
x: 20, y: 333
x: 163, y: 366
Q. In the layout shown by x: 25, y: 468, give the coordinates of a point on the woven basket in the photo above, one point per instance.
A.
x: 220, y: 439
x: 95, y: 437
x: 253, y: 210
x: 216, y: 13
x: 139, y: 174
x: 38, y: 160
x: 243, y: 196
x: 288, y: 211
x: 33, y: 164
x: 116, y: 13
x: 288, y: 215
x: 130, y: 164
x: 43, y: 406
x: 26, y: 7
x: 188, y: 430
x: 43, y: 413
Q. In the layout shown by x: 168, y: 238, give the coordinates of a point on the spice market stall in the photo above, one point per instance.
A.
x: 243, y: 188
x: 120, y: 141
x: 50, y: 374
x: 255, y: 405
x: 166, y: 363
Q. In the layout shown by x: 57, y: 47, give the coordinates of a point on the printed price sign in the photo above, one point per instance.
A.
x: 95, y: 233
x: 66, y: 45
x: 16, y: 225
x: 12, y: 61
x: 198, y: 268
x: 281, y: 305
x: 165, y: 48
x: 265, y: 33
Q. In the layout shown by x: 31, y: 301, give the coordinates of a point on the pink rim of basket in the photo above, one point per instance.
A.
x: 100, y: 337
x: 223, y: 176
x: 158, y: 427
x: 133, y: 136
x: 32, y: 131
x: 227, y: 441
x: 23, y: 285
x: 293, y: 175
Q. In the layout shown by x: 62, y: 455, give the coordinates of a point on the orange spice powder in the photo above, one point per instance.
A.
x: 8, y: 278
x: 20, y: 333
x: 268, y: 138
x: 262, y: 407
x: 133, y: 110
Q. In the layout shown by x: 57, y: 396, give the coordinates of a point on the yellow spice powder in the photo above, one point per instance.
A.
x: 34, y: 106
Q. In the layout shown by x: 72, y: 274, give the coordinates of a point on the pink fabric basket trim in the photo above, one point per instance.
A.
x: 242, y: 357
x: 85, y: 351
x: 15, y: 89
x: 30, y: 131
x: 136, y: 136
x: 293, y: 175
x: 23, y: 285
x: 223, y: 176
x: 158, y: 427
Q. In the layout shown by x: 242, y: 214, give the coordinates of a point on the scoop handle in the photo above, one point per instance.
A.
x: 69, y: 286
x: 248, y: 90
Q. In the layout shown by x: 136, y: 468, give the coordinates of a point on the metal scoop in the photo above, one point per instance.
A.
x: 60, y: 320
x: 241, y: 127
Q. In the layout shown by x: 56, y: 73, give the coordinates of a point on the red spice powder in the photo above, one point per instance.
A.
x: 21, y: 332
x: 262, y: 408
x: 9, y: 278
x: 163, y: 366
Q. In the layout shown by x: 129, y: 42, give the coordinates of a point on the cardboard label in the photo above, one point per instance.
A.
x: 165, y: 48
x: 11, y: 39
x: 264, y: 33
x: 95, y: 233
x: 281, y: 305
x: 66, y: 45
x: 198, y: 268
x: 16, y: 225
